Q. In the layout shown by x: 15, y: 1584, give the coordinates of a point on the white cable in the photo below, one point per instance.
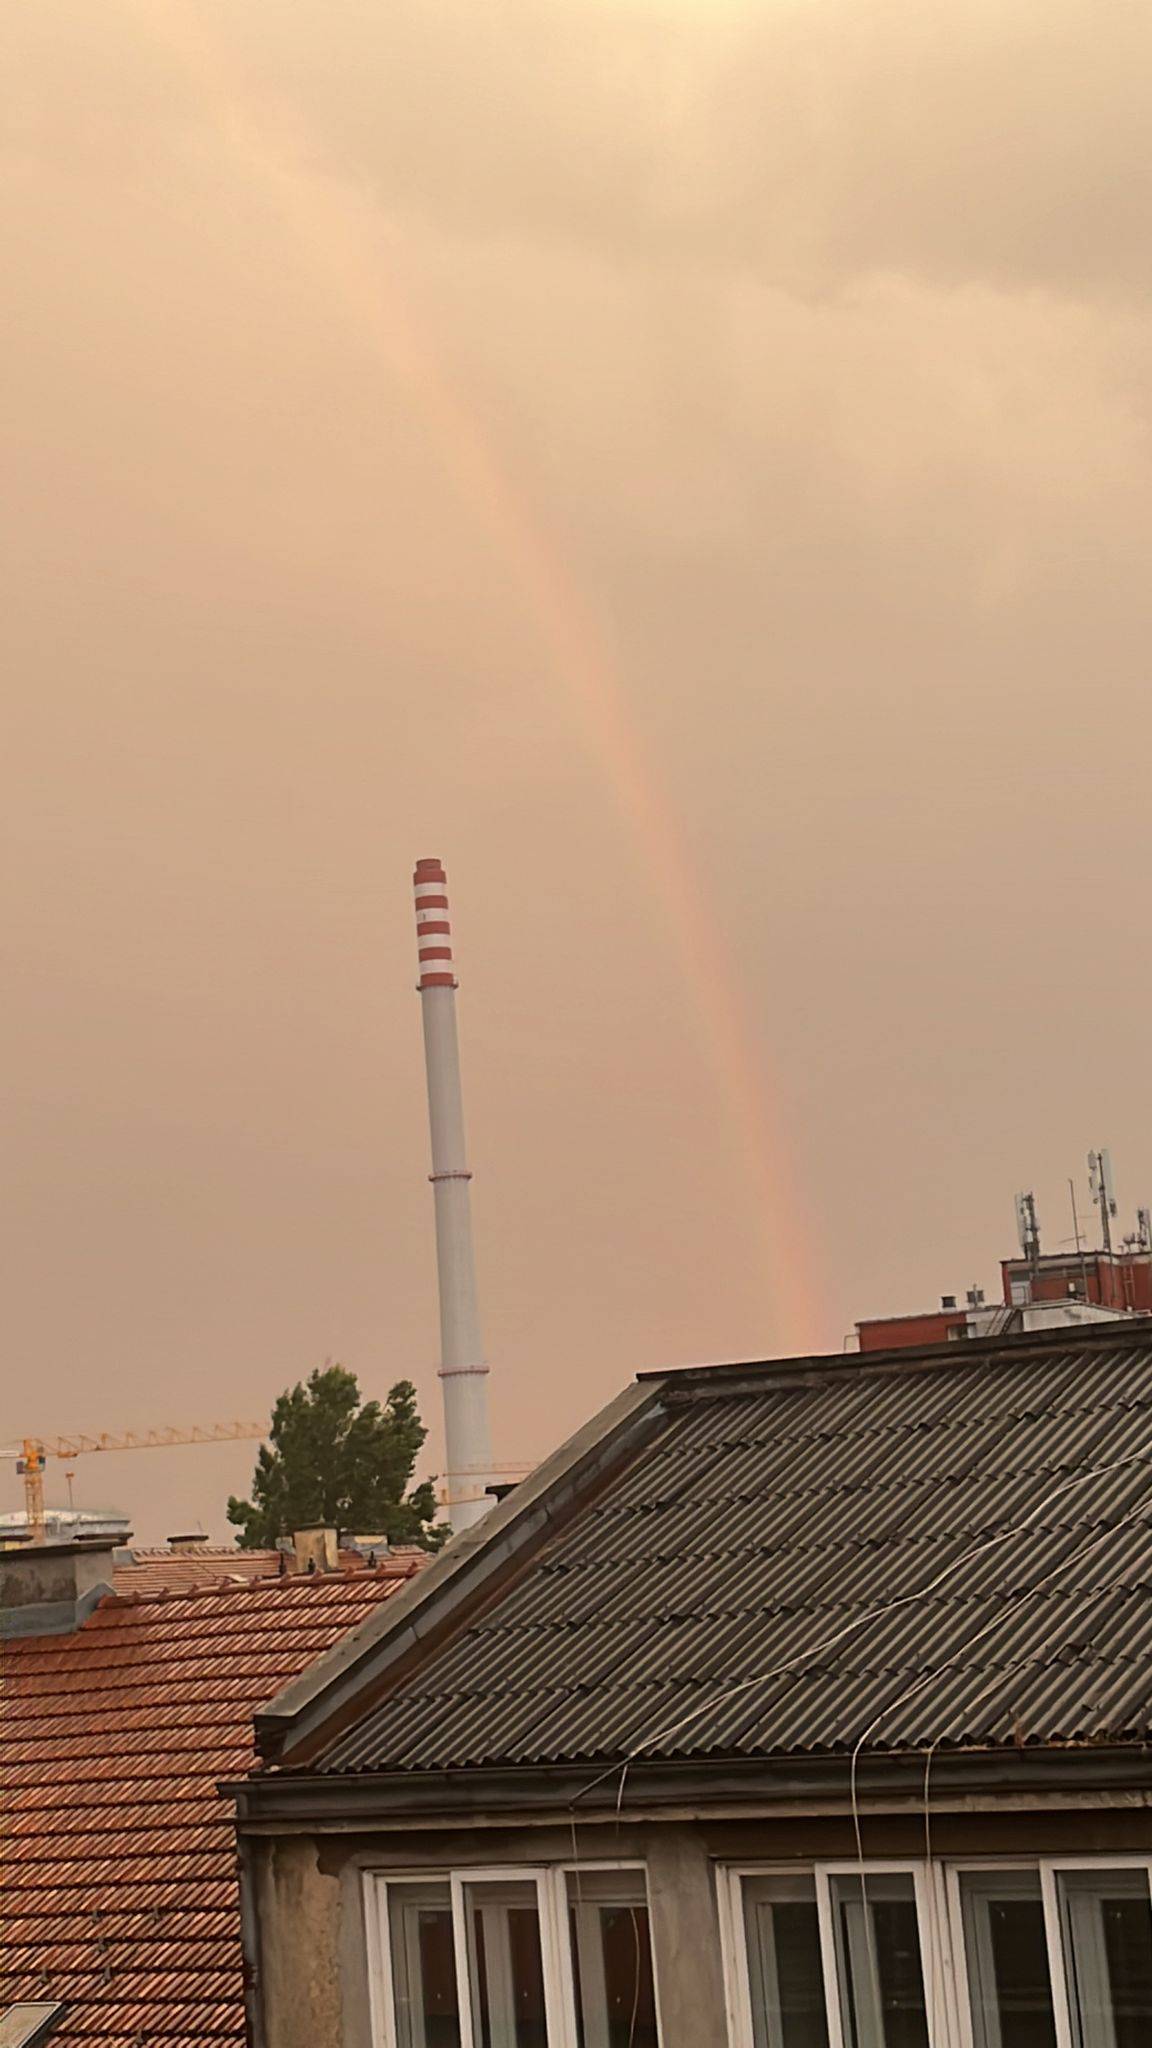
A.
x: 884, y: 1607
x: 891, y: 1706
x: 1076, y: 1557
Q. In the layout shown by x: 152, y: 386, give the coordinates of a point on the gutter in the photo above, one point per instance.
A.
x: 250, y: 1947
x: 968, y: 1780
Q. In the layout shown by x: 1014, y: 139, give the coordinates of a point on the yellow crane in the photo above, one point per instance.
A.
x: 36, y: 1450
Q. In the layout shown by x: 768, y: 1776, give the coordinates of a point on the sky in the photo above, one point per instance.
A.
x: 684, y: 463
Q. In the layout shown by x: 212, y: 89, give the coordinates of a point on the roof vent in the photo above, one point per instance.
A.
x: 189, y: 1540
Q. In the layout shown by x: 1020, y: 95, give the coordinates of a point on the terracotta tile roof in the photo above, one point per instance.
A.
x: 170, y: 1571
x: 117, y: 1853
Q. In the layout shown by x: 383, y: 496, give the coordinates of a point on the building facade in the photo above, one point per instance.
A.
x: 796, y: 1706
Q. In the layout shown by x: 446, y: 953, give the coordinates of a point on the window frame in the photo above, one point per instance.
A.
x: 944, y: 1953
x: 953, y: 1875
x: 734, y: 1947
x: 1049, y: 1869
x: 551, y: 1884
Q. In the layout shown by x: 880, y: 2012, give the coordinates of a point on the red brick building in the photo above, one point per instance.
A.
x: 1052, y: 1287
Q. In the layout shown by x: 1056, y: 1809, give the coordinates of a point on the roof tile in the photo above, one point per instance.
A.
x: 145, y: 1709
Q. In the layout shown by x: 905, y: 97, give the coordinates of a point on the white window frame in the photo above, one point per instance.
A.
x: 1048, y: 1868
x: 551, y: 1885
x: 943, y: 1940
x: 929, y: 1924
x: 951, y: 1874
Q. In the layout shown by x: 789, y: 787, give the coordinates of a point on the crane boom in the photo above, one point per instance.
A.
x: 37, y: 1449
x: 144, y: 1439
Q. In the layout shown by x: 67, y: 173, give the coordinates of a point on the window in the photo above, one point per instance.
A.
x: 505, y: 1965
x: 557, y: 1958
x: 423, y: 1966
x: 28, y: 2024
x: 611, y: 1959
x: 1009, y: 1982
x: 1106, y: 1922
x: 1052, y: 1954
x: 829, y: 1961
x: 880, y: 1977
x: 782, y: 1926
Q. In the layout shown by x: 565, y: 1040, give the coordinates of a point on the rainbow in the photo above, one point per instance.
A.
x: 334, y: 236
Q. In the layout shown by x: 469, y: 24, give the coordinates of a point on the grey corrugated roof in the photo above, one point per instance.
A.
x: 891, y: 1553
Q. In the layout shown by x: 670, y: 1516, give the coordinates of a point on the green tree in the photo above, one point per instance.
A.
x: 340, y: 1461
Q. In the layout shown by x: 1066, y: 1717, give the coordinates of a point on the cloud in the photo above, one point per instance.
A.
x: 811, y: 142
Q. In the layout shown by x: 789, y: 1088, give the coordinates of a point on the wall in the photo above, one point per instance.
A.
x: 304, y: 1980
x: 1121, y: 1282
x: 887, y: 1333
x: 312, y: 1948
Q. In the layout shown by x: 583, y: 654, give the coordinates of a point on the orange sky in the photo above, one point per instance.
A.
x: 687, y: 466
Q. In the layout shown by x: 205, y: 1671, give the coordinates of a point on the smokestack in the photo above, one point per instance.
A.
x: 463, y: 1373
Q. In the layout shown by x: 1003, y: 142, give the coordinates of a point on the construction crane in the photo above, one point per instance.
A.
x: 36, y: 1450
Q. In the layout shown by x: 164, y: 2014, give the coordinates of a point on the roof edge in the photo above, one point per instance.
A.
x: 728, y: 1375
x: 594, y: 1791
x: 330, y: 1688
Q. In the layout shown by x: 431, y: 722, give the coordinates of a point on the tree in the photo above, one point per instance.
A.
x: 336, y: 1460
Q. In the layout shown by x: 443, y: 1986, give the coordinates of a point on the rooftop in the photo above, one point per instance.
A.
x: 163, y: 1569
x: 936, y: 1548
x: 120, y: 1894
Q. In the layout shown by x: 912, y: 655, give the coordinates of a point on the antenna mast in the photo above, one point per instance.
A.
x: 1103, y: 1191
x: 1028, y: 1228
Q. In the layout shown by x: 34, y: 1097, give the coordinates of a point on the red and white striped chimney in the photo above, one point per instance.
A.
x: 463, y: 1373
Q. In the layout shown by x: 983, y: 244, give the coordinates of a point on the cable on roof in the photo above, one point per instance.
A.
x: 874, y: 1613
x: 927, y: 1678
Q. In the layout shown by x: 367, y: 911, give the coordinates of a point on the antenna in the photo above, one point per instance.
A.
x: 1076, y: 1231
x: 1103, y: 1191
x: 1028, y: 1227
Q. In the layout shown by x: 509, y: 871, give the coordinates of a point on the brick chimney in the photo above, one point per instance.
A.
x: 49, y: 1589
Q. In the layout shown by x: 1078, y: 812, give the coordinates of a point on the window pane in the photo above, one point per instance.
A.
x: 784, y: 1968
x: 878, y: 1951
x: 506, y: 1967
x: 1107, y: 1925
x: 612, y: 1959
x: 423, y: 1965
x: 1007, y: 1951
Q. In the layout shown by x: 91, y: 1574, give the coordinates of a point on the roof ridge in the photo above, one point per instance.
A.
x: 221, y: 1582
x: 1006, y: 1348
